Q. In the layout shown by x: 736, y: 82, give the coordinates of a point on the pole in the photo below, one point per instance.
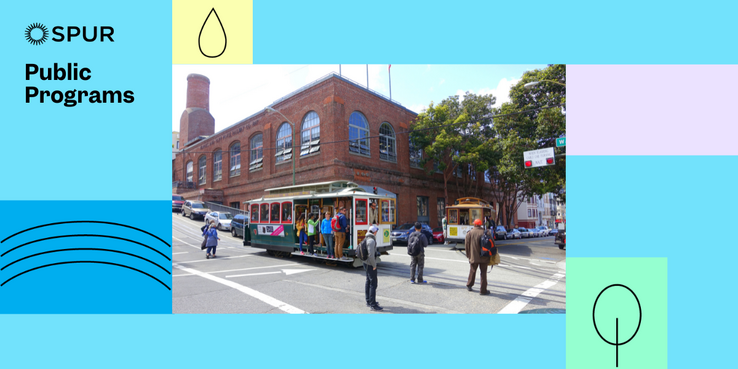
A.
x: 293, y: 151
x: 390, y: 80
x: 367, y: 76
x: 339, y: 70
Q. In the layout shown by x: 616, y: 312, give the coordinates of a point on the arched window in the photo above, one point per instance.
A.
x: 284, y: 143
x: 310, y: 134
x: 256, y: 160
x: 358, y: 133
x: 416, y: 155
x: 235, y: 159
x: 190, y: 169
x: 217, y: 165
x: 201, y: 176
x: 387, y: 146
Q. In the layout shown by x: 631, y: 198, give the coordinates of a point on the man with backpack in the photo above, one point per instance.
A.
x: 416, y: 244
x: 370, y: 266
x: 473, y: 246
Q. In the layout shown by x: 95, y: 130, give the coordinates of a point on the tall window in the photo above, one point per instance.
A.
x: 310, y: 134
x: 422, y: 206
x: 190, y: 168
x: 201, y: 170
x: 284, y: 143
x: 358, y: 133
x: 218, y: 165
x: 416, y: 155
x: 441, y: 207
x: 256, y: 160
x: 387, y: 146
x: 235, y: 159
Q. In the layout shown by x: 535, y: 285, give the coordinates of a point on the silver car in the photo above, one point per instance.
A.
x: 222, y: 219
x: 524, y: 232
x: 514, y: 233
x: 544, y: 231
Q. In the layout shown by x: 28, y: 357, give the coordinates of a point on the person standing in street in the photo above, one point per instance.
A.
x: 300, y: 231
x: 417, y: 239
x: 476, y: 260
x: 340, y: 233
x: 370, y: 266
x: 212, y: 243
x: 444, y: 223
x: 327, y: 232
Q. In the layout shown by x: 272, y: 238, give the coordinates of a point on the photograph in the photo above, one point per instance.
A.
x: 334, y: 189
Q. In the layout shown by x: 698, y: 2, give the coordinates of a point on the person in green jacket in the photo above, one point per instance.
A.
x: 312, y: 232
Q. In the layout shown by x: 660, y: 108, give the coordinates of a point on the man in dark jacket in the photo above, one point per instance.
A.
x: 418, y: 260
x: 370, y: 267
x: 340, y: 234
x: 476, y: 260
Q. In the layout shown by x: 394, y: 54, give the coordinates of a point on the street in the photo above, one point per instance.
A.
x: 530, y: 279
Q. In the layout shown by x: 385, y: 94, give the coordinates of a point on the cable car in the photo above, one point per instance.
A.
x: 273, y: 217
x: 461, y: 216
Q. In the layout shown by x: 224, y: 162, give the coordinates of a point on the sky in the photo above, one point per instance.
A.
x: 238, y: 91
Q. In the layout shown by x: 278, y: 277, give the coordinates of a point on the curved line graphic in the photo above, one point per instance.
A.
x: 86, y: 221
x: 87, y: 249
x: 84, y: 262
x: 86, y: 235
x: 225, y: 37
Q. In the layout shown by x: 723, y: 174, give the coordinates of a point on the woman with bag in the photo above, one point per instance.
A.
x: 312, y: 232
x: 211, y: 239
x: 300, y: 230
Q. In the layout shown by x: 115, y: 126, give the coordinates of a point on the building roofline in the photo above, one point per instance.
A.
x: 305, y: 88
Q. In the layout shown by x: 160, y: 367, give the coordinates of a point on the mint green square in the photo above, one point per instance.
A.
x: 604, y: 280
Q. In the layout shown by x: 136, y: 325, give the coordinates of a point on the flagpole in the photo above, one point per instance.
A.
x: 367, y: 76
x: 339, y: 70
x: 390, y: 79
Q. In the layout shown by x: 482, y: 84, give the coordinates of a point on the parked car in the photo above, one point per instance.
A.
x: 534, y: 232
x: 194, y: 209
x: 561, y: 239
x: 238, y: 224
x: 514, y: 233
x: 500, y: 232
x: 553, y: 232
x: 524, y: 232
x: 438, y: 235
x: 222, y: 219
x: 177, y: 202
x: 401, y: 233
x: 544, y: 231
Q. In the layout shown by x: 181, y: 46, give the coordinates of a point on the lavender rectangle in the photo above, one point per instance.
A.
x: 652, y: 109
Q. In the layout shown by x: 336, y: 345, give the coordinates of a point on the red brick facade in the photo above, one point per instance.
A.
x: 334, y: 99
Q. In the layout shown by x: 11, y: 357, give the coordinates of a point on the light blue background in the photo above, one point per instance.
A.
x: 122, y: 152
x: 677, y: 207
x: 90, y: 151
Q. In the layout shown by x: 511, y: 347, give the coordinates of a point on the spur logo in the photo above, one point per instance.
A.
x: 37, y: 33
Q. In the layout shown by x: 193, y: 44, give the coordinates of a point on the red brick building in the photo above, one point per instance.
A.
x: 332, y: 117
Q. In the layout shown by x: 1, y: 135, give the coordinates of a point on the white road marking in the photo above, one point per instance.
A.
x: 237, y: 270
x: 206, y: 260
x: 175, y: 238
x: 295, y: 271
x: 251, y: 292
x: 248, y: 275
x: 178, y: 253
x: 519, y: 303
x: 383, y: 298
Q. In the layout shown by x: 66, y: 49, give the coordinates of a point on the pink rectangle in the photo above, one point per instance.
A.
x: 652, y: 109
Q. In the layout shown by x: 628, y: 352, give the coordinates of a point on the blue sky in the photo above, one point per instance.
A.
x: 238, y: 91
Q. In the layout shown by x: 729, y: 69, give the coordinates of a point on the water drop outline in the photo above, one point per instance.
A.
x: 225, y: 37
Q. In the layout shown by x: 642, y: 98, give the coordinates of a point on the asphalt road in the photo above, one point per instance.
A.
x: 530, y: 279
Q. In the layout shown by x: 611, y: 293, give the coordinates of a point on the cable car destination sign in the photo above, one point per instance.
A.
x: 539, y: 158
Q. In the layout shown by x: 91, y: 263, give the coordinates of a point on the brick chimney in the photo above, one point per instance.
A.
x: 196, y: 119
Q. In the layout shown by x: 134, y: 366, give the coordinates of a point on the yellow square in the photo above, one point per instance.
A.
x: 212, y: 32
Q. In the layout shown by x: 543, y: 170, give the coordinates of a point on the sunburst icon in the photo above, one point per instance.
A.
x: 37, y: 40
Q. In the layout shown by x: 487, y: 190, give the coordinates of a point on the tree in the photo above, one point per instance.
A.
x: 533, y: 119
x: 454, y: 136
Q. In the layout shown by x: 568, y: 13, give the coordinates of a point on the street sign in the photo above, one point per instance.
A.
x: 561, y: 142
x: 539, y: 158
